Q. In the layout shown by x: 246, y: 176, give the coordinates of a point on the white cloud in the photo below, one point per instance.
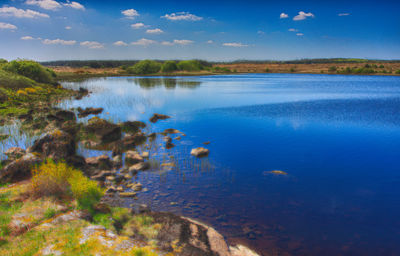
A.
x: 302, y: 16
x: 74, y: 5
x: 138, y: 25
x: 92, y: 44
x: 45, y: 4
x: 7, y: 26
x: 210, y: 41
x: 183, y: 42
x: 177, y: 42
x: 154, y: 31
x: 20, y: 13
x: 27, y: 38
x: 344, y: 14
x: 144, y: 42
x: 167, y: 43
x: 120, y: 43
x: 130, y: 13
x: 182, y: 16
x: 235, y: 44
x: 59, y: 41
x: 260, y: 32
x: 68, y: 27
x: 293, y: 30
x: 299, y: 34
x: 283, y: 15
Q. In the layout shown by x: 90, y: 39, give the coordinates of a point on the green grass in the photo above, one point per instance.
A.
x: 14, y: 81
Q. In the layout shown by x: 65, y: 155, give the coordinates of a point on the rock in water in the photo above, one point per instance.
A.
x: 132, y: 157
x: 200, y: 152
x: 157, y: 117
x: 89, y: 111
x: 103, y: 130
x: 132, y: 126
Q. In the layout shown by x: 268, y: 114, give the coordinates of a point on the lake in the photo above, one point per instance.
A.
x: 337, y: 138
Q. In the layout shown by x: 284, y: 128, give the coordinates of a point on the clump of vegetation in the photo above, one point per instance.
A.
x: 32, y: 70
x: 145, y: 67
x: 354, y: 70
x: 15, y: 81
x: 398, y: 72
x: 267, y: 70
x: 190, y: 65
x: 221, y: 70
x: 169, y: 66
x: 332, y: 69
x: 142, y: 225
x: 61, y: 180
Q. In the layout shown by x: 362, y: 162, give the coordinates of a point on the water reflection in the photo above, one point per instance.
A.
x: 168, y: 83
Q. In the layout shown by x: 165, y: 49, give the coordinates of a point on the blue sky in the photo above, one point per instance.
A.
x: 211, y: 30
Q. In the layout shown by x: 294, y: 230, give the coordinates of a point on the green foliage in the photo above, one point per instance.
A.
x: 103, y: 219
x: 354, y: 70
x: 292, y: 70
x: 60, y: 180
x: 145, y: 67
x: 267, y: 70
x: 381, y: 66
x: 221, y: 70
x: 30, y: 69
x: 15, y: 81
x: 169, y: 66
x: 398, y: 72
x: 49, y: 213
x: 332, y: 69
x: 190, y: 65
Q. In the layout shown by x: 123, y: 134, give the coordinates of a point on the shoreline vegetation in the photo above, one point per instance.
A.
x: 56, y: 202
x: 70, y: 70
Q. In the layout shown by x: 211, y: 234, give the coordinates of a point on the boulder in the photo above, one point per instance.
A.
x: 103, y: 130
x: 132, y: 126
x: 14, y: 153
x: 71, y: 127
x: 101, y: 176
x: 145, y: 154
x: 102, y: 162
x: 199, y: 152
x: 157, y: 117
x: 89, y: 111
x: 133, y: 140
x: 132, y: 157
x: 65, y: 115
x: 57, y: 145
x: 152, y: 136
x: 19, y: 169
x: 139, y: 167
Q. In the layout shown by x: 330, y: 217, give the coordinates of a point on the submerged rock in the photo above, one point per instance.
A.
x: 89, y: 111
x: 133, y: 140
x: 157, y: 117
x: 199, y: 152
x: 139, y: 167
x: 277, y: 172
x: 102, y: 162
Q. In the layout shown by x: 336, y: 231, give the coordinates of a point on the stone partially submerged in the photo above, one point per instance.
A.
x: 199, y: 152
x: 157, y: 117
x: 102, y: 130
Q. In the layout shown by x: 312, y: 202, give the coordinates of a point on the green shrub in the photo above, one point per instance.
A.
x: 398, y: 72
x: 31, y: 69
x: 169, y: 66
x: 381, y: 66
x: 221, y: 70
x: 49, y: 213
x: 14, y: 81
x: 60, y: 180
x: 190, y: 65
x: 145, y: 67
x: 332, y: 69
x: 267, y: 70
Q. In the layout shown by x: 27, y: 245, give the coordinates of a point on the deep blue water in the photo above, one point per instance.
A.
x: 337, y: 137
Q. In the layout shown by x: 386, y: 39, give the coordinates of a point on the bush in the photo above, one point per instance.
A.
x: 31, y: 69
x: 169, y: 66
x: 60, y: 180
x: 221, y: 70
x: 398, y: 72
x: 190, y: 65
x: 145, y: 67
x: 14, y: 81
x: 381, y: 66
x: 332, y: 69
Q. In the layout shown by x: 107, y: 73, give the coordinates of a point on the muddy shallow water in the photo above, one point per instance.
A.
x: 336, y: 137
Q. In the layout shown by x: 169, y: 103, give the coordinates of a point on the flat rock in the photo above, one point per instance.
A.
x: 200, y: 152
x: 157, y: 117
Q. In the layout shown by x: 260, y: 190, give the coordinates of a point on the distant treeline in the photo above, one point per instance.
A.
x: 126, y: 63
x: 101, y: 63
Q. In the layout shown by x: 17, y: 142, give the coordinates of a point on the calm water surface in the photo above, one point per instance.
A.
x: 337, y: 137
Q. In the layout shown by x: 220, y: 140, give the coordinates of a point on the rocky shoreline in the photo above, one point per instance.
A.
x: 61, y: 133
